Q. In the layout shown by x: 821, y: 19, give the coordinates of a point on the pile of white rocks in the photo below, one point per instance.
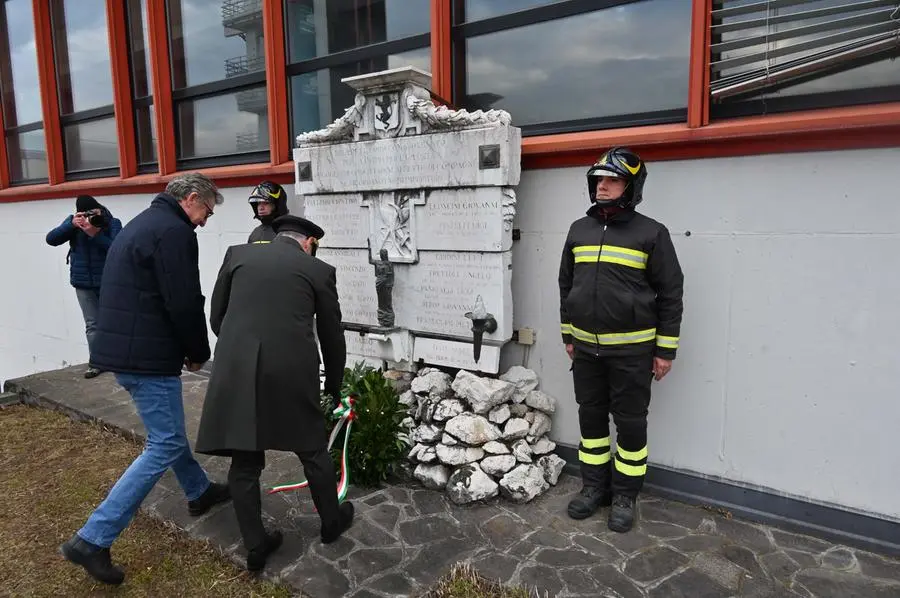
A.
x: 478, y: 437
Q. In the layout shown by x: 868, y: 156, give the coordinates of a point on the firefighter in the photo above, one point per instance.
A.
x: 268, y: 202
x: 620, y: 287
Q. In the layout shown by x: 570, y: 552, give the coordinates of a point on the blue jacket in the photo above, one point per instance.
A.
x: 151, y: 315
x: 87, y: 255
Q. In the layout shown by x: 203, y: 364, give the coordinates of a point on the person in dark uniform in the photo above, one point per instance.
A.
x: 268, y: 304
x: 620, y: 287
x: 268, y: 201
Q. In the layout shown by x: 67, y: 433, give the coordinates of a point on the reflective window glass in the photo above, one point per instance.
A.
x: 145, y: 126
x: 91, y: 145
x: 27, y: 156
x: 225, y: 124
x: 138, y: 42
x: 81, y: 46
x: 18, y: 76
x: 475, y: 10
x: 316, y: 28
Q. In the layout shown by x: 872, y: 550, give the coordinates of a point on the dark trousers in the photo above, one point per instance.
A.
x: 243, y: 481
x: 619, y: 386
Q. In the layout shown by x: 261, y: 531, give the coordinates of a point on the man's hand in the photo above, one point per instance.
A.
x: 191, y: 366
x: 661, y: 367
x: 79, y: 220
x: 89, y: 229
x: 570, y: 349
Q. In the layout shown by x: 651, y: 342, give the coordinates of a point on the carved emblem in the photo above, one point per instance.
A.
x: 392, y: 224
x: 387, y: 115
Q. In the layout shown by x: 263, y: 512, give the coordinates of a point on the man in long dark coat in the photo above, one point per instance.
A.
x: 264, y: 390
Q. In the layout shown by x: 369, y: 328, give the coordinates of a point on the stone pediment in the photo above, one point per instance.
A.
x: 397, y: 103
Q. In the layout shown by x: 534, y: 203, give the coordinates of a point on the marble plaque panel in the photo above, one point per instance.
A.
x: 341, y: 216
x: 355, y: 284
x: 456, y: 354
x: 430, y: 160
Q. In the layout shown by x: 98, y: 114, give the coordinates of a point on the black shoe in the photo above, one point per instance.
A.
x: 215, y: 494
x: 586, y: 502
x: 621, y: 516
x: 95, y: 560
x: 256, y: 558
x: 346, y: 512
x: 92, y: 373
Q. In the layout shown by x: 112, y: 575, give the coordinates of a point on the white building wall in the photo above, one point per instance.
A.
x: 783, y: 380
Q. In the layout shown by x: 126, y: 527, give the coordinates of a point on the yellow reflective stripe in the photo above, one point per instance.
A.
x: 586, y: 249
x: 622, y: 262
x: 631, y: 470
x: 612, y: 254
x: 592, y: 443
x: 667, y: 342
x: 632, y: 252
x: 632, y: 455
x: 614, y: 338
x: 258, y: 242
x: 585, y: 258
x: 565, y: 328
x: 593, y: 459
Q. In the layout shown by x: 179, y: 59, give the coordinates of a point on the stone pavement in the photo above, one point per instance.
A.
x: 405, y: 537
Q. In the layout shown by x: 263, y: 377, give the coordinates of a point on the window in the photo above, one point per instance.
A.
x: 776, y: 56
x: 327, y: 41
x: 142, y: 92
x: 218, y: 81
x: 84, y: 79
x: 20, y: 94
x: 568, y: 66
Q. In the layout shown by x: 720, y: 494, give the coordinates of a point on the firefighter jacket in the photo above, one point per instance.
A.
x: 620, y: 286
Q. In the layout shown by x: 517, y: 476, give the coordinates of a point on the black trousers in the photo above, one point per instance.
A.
x: 243, y: 481
x: 619, y: 386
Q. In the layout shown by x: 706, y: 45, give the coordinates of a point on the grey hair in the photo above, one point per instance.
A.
x: 194, y: 182
x: 299, y: 237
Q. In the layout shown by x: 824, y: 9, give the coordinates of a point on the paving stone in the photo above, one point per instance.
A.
x: 698, y: 543
x: 364, y: 593
x: 779, y: 566
x: 523, y: 549
x: 659, y: 529
x: 609, y: 577
x: 549, y: 537
x: 744, y: 534
x: 436, y: 559
x: 672, y: 512
x: 393, y: 584
x: 760, y: 587
x: 840, y: 558
x: 368, y: 562
x: 335, y: 550
x: 558, y: 557
x: 427, y: 529
x: 317, y: 578
x: 377, y: 499
x: 798, y: 542
x: 876, y: 566
x: 496, y: 566
x: 398, y: 495
x: 293, y: 546
x: 219, y: 527
x: 600, y: 550
x: 719, y: 569
x: 689, y: 584
x: 472, y: 518
x: 804, y: 559
x: 368, y: 534
x: 385, y: 515
x: 743, y: 557
x: 653, y: 564
x: 541, y: 578
x: 579, y: 581
x: 502, y: 531
x: 826, y: 583
x: 630, y: 542
x: 429, y: 502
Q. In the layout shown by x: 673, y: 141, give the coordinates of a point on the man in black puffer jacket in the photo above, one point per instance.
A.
x: 620, y: 287
x: 89, y: 232
x: 151, y: 324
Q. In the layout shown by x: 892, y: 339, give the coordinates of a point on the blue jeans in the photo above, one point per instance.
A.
x: 159, y: 403
x: 89, y: 301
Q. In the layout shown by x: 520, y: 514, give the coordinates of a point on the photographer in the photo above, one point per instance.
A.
x: 89, y: 233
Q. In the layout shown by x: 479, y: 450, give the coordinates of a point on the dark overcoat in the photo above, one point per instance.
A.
x: 269, y: 302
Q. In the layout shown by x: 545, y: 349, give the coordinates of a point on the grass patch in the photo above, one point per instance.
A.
x: 53, y: 473
x: 462, y: 581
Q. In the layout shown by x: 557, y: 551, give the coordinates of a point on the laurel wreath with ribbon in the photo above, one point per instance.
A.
x: 346, y: 414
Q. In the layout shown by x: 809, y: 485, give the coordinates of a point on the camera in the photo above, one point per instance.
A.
x: 98, y: 220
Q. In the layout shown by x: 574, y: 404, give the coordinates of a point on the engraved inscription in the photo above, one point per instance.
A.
x: 342, y: 218
x: 355, y: 285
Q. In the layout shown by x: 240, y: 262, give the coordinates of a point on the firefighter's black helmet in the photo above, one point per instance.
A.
x: 619, y: 162
x: 272, y: 192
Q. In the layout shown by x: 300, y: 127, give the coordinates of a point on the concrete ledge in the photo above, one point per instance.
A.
x: 763, y: 506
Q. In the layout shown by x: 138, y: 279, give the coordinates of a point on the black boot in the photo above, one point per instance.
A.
x: 587, y: 502
x: 92, y: 372
x: 95, y: 560
x: 215, y: 494
x: 621, y: 516
x: 331, y: 534
x: 256, y: 558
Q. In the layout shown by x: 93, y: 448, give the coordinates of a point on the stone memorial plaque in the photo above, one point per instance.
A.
x: 429, y: 160
x: 424, y: 196
x: 456, y: 354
